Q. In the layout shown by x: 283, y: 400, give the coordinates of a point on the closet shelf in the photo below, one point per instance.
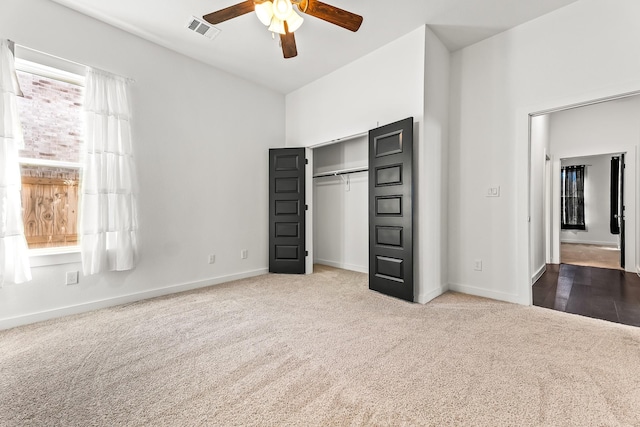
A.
x: 343, y: 139
x: 341, y: 172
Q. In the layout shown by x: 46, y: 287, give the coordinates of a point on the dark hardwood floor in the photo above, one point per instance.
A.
x: 601, y: 293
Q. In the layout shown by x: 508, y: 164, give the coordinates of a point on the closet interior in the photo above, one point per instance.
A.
x: 340, y: 204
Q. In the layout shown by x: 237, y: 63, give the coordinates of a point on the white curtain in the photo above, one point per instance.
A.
x: 108, y: 214
x: 14, y: 255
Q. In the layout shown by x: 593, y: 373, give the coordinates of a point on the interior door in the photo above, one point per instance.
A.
x: 617, y: 220
x: 622, y: 213
x: 287, y: 210
x: 391, y: 209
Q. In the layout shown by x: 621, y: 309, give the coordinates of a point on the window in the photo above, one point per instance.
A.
x: 572, y: 193
x: 51, y: 115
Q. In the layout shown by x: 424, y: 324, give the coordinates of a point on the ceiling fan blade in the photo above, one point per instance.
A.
x: 331, y: 14
x: 288, y: 42
x: 230, y: 12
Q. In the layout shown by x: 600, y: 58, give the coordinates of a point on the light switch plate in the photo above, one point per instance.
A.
x: 493, y: 192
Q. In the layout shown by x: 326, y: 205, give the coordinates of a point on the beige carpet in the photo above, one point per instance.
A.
x: 320, y: 351
x: 590, y: 255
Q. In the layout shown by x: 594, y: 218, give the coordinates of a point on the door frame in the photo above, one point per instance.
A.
x: 548, y: 208
x: 524, y: 113
x: 310, y: 194
x: 622, y: 219
x: 310, y: 189
x: 555, y: 196
x: 309, y: 220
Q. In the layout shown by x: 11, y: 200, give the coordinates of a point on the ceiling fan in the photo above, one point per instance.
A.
x: 281, y: 18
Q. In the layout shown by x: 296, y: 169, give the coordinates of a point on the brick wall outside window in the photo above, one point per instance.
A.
x: 51, y: 116
x: 50, y: 112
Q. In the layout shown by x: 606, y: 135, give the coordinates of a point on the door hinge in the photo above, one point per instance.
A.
x: 306, y: 207
x: 306, y: 161
x: 306, y: 253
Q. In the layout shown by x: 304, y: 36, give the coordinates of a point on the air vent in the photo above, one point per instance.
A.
x: 203, y: 28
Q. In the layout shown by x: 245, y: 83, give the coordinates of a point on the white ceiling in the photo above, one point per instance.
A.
x: 244, y: 46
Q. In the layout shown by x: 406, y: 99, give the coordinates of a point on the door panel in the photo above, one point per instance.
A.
x: 617, y: 220
x: 391, y: 209
x: 614, y: 220
x: 287, y: 210
x: 622, y: 214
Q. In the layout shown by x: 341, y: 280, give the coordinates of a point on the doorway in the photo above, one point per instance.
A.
x: 368, y: 217
x: 580, y: 135
x: 587, y: 135
x: 339, y: 204
x: 383, y: 236
x: 591, y: 211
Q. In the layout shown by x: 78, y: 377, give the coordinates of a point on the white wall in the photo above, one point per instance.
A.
x: 584, y: 51
x: 380, y: 88
x: 604, y: 128
x: 341, y: 232
x: 596, y: 202
x: 197, y: 165
x: 377, y: 89
x: 432, y: 158
x: 595, y: 129
x: 340, y: 206
x: 539, y: 152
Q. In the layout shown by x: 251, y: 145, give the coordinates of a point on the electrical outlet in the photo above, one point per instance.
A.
x: 72, y: 277
x: 477, y: 265
x: 244, y: 254
x: 212, y: 258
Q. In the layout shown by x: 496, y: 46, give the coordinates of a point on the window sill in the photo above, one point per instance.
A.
x: 54, y: 256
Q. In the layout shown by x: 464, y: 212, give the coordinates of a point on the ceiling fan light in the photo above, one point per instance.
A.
x: 294, y: 21
x: 264, y: 11
x: 282, y: 9
x: 277, y: 26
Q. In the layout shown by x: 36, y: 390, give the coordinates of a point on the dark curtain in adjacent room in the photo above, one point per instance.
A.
x: 572, y: 178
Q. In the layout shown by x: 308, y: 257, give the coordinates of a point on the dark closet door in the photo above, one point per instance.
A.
x: 391, y: 209
x: 287, y: 210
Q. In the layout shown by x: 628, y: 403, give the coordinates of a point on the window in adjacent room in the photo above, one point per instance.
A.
x: 51, y: 115
x: 572, y: 193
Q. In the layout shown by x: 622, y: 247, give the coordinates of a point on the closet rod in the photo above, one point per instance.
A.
x: 341, y: 172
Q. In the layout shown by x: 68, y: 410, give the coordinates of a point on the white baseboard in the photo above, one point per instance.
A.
x: 589, y: 242
x: 424, y: 298
x: 538, y: 273
x: 485, y: 293
x: 124, y: 299
x: 343, y: 265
